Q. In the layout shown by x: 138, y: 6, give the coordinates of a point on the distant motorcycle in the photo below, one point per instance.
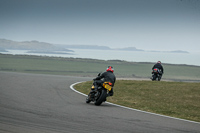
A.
x: 100, y: 94
x: 156, y: 74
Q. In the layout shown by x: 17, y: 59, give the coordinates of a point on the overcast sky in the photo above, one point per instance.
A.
x: 144, y: 24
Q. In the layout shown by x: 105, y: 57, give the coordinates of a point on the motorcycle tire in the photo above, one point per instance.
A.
x: 159, y: 78
x: 153, y: 77
x: 101, y: 98
x: 88, y: 99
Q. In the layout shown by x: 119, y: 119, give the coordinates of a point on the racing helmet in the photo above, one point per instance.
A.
x: 110, y: 68
x: 159, y: 62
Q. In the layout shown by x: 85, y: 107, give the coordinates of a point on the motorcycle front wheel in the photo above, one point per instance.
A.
x: 88, y: 98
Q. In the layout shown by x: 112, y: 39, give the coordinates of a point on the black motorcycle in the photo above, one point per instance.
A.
x: 156, y: 74
x: 98, y: 96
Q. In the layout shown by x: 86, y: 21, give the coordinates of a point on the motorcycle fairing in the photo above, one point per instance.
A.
x: 155, y: 70
x: 107, y: 85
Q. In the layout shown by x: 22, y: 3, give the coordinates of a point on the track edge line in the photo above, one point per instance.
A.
x: 72, y: 88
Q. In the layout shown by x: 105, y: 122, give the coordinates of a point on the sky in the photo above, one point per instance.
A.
x: 164, y: 25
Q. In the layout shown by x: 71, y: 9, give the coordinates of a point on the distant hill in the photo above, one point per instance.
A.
x: 176, y: 51
x: 38, y: 47
x: 179, y: 51
x: 129, y: 49
x: 77, y: 46
x: 29, y: 45
x: 2, y: 50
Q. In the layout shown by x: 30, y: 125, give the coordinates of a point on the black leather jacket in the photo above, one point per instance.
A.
x: 159, y: 66
x: 107, y: 77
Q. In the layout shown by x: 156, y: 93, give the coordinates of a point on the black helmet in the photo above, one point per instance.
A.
x: 159, y: 62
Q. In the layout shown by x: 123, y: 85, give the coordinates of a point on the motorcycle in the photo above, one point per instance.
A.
x: 156, y: 74
x: 99, y: 96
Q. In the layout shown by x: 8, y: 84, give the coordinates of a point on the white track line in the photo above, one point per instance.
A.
x: 71, y: 86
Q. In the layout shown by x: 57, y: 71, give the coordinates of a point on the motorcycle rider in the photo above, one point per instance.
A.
x: 107, y: 76
x: 160, y: 67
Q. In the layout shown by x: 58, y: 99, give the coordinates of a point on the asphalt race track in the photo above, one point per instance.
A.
x: 36, y: 103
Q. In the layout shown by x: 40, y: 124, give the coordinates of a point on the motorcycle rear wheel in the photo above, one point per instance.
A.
x: 101, y: 98
x: 153, y: 77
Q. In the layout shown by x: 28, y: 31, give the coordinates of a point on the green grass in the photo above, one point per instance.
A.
x: 90, y: 67
x: 176, y: 99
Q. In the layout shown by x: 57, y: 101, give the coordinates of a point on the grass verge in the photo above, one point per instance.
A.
x: 90, y: 67
x: 176, y: 99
